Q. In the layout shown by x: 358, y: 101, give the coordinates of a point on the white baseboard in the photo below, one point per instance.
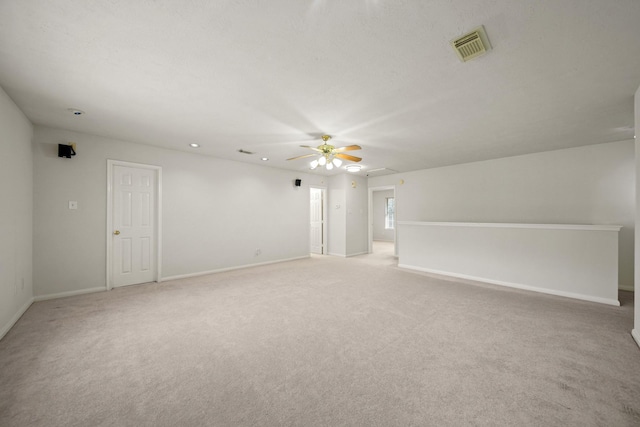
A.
x: 516, y: 285
x: 69, y: 293
x: 6, y: 328
x: 220, y: 270
x: 357, y: 254
x: 181, y: 276
x: 335, y: 254
x: 629, y: 288
x: 348, y: 255
x: 635, y: 333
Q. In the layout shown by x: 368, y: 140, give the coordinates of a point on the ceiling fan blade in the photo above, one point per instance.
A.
x: 348, y: 157
x: 348, y: 148
x: 313, y: 148
x: 302, y: 157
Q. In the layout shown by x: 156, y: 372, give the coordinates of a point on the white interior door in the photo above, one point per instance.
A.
x: 317, y: 221
x: 134, y: 217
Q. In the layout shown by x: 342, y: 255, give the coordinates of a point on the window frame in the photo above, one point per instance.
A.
x: 389, y: 214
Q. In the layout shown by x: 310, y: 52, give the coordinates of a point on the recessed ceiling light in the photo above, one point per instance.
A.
x: 75, y: 111
x: 264, y: 159
x: 194, y: 145
x: 353, y: 168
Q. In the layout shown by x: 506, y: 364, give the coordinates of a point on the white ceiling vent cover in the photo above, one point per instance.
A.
x: 472, y: 45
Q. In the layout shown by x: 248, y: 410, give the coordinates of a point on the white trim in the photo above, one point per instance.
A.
x: 370, y: 217
x: 158, y: 169
x: 238, y: 267
x: 109, y: 225
x: 515, y: 285
x: 635, y: 333
x: 588, y: 227
x: 159, y: 224
x: 6, y: 328
x: 69, y: 293
x: 325, y: 217
x: 349, y: 255
x: 357, y: 254
x: 335, y: 254
x: 626, y: 288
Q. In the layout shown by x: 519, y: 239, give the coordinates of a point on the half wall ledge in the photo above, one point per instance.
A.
x: 571, y: 260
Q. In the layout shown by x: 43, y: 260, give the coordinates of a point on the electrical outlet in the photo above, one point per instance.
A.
x: 258, y: 252
x: 73, y: 204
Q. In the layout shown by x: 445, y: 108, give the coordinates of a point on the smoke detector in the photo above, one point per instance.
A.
x: 471, y: 45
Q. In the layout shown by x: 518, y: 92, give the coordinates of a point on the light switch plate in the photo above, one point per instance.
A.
x: 73, y: 204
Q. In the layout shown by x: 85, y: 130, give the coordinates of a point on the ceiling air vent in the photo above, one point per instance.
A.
x: 471, y: 45
x: 381, y: 171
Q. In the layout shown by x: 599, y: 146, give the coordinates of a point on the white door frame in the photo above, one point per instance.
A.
x: 324, y: 218
x: 395, y: 228
x: 158, y: 209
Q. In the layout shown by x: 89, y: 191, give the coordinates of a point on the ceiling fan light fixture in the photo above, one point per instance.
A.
x: 327, y: 155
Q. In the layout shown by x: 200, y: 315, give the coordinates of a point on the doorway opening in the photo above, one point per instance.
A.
x: 382, y: 220
x: 317, y: 220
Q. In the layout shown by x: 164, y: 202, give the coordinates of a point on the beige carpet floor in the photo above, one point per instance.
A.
x: 320, y: 342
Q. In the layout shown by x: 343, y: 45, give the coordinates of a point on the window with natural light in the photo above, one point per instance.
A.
x: 389, y: 213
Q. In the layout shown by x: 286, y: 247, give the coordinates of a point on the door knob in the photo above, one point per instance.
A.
x: 117, y: 232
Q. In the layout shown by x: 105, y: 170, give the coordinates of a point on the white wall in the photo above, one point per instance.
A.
x: 347, y: 206
x: 357, y: 212
x: 575, y: 261
x: 216, y: 213
x: 585, y: 185
x: 16, y: 213
x: 379, y: 215
x: 336, y: 219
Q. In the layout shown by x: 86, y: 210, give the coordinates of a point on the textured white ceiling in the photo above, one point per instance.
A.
x: 267, y: 76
